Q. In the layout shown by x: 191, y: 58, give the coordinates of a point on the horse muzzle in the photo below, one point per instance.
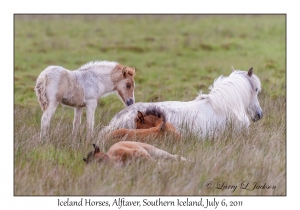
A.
x: 258, y: 116
x: 129, y: 101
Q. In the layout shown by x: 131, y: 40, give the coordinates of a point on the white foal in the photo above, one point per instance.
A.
x: 82, y: 88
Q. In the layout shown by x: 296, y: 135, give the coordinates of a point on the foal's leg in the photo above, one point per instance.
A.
x: 77, y: 119
x: 90, y: 112
x: 46, y: 117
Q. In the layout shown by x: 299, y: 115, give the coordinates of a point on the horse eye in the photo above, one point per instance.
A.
x: 128, y: 85
x: 256, y: 89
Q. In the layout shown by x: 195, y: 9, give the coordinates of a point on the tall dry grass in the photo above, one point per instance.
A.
x: 223, y: 165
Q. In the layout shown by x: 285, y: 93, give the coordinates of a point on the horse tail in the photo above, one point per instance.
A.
x: 40, y: 91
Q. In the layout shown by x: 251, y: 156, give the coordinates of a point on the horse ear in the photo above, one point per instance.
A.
x: 250, y: 72
x: 141, y: 117
x: 96, y: 148
x: 124, y: 71
x: 131, y: 72
x: 232, y: 69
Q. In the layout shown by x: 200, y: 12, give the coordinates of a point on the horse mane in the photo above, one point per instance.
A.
x: 156, y: 111
x: 201, y: 96
x: 230, y: 94
x: 110, y: 64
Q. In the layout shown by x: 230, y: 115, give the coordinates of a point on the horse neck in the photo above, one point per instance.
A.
x: 154, y: 129
x: 106, y: 81
x: 153, y: 120
x: 103, y: 74
x: 102, y: 157
x: 159, y: 126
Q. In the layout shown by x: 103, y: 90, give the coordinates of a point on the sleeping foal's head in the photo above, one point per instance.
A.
x: 152, y: 117
x: 96, y: 156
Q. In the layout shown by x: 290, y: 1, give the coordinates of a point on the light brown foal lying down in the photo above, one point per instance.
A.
x: 126, y: 151
x: 151, y: 124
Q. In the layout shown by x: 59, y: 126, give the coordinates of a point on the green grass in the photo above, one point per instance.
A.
x: 175, y: 57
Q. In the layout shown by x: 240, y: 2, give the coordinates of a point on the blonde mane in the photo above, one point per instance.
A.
x: 107, y: 64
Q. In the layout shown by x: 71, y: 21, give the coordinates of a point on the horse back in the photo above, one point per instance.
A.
x: 127, y: 150
x: 133, y: 134
x: 120, y: 133
x: 133, y: 145
x: 64, y: 86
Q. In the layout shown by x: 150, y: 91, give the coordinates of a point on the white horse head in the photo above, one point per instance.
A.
x: 237, y: 94
x: 254, y: 108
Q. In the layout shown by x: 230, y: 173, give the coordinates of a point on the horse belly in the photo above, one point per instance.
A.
x: 74, y: 97
x: 70, y: 92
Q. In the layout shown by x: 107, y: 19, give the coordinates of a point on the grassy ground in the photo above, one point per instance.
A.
x: 175, y: 57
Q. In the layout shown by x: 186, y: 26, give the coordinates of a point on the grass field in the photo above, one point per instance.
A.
x: 176, y: 56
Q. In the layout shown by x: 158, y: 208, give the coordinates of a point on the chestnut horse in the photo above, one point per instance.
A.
x: 125, y: 152
x: 151, y: 124
x: 82, y: 88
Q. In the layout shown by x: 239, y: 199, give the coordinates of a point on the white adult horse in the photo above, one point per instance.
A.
x: 229, y: 101
x: 82, y: 88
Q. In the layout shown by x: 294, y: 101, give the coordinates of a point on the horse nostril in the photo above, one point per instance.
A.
x: 259, y: 115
